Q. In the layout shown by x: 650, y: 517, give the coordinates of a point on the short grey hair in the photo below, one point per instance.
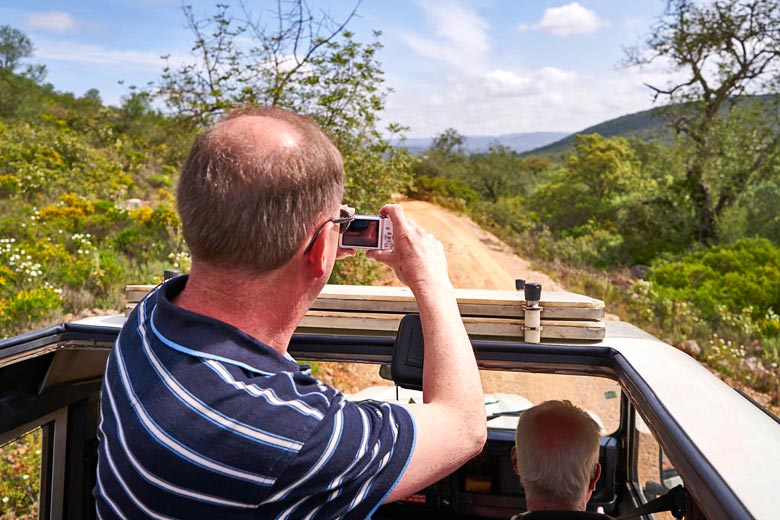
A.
x: 558, y: 466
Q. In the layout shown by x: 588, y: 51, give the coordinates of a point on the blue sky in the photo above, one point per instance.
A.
x: 483, y: 67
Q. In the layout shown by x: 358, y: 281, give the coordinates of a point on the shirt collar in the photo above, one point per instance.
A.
x: 209, y: 338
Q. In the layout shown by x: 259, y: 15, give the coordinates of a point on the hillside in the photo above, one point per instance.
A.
x: 650, y: 125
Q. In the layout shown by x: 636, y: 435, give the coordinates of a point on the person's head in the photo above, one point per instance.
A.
x: 254, y: 186
x: 556, y: 450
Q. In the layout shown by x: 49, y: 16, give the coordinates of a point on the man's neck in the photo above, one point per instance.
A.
x: 537, y: 504
x: 267, y: 307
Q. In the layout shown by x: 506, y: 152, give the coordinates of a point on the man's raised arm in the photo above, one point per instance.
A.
x: 450, y: 424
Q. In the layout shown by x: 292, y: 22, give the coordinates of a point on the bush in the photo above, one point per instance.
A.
x: 20, y: 468
x: 755, y: 213
x: 506, y: 213
x: 739, y: 279
x: 9, y: 185
x: 452, y: 193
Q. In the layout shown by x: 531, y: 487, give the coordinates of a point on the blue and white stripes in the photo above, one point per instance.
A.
x: 201, y: 421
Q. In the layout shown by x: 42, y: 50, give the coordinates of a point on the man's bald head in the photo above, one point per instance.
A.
x: 264, y: 132
x: 254, y: 185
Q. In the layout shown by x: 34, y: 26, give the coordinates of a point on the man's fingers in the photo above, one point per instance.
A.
x: 344, y: 253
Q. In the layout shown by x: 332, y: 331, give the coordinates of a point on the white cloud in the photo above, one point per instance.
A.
x: 499, y: 101
x: 99, y: 55
x: 569, y: 19
x: 510, y: 84
x: 461, y: 34
x: 506, y: 81
x: 51, y: 21
x: 508, y: 101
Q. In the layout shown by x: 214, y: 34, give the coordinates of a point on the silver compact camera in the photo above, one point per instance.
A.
x: 368, y: 232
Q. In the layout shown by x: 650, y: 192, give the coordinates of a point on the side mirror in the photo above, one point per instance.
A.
x: 406, y: 368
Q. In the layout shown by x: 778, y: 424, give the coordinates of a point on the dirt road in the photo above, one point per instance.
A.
x: 476, y: 259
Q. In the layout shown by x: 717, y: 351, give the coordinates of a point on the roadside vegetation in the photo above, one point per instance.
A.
x: 679, y: 236
x: 87, y: 190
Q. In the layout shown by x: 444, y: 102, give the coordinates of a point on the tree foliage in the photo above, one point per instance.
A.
x: 724, y: 49
x: 591, y: 185
x: 496, y: 174
x: 297, y: 59
x: 14, y: 46
x: 446, y: 157
x: 449, y: 144
x: 742, y: 277
x: 499, y: 173
x: 290, y: 58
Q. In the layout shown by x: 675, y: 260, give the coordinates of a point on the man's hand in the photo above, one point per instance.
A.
x: 417, y: 257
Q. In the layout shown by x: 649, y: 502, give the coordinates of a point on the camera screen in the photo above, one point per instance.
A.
x: 361, y: 232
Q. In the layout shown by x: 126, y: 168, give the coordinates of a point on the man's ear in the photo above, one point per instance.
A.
x: 317, y: 257
x: 595, y: 477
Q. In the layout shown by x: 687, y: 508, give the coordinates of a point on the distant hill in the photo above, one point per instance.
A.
x: 647, y: 125
x: 480, y: 143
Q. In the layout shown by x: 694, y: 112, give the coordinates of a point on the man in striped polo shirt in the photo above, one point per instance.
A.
x: 204, y: 413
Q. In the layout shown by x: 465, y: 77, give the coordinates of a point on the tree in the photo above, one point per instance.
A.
x: 446, y: 157
x: 288, y: 58
x: 449, y: 143
x: 725, y: 50
x: 495, y: 174
x: 15, y: 46
x: 597, y: 173
x: 303, y: 61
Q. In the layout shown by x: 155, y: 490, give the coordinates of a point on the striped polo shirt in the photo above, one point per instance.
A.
x: 199, y: 420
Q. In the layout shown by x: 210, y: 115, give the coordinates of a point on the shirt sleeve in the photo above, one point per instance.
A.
x: 350, y: 463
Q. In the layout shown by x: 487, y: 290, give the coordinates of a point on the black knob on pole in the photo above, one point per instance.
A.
x: 533, y: 292
x: 519, y: 284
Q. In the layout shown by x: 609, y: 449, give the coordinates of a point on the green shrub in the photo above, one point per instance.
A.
x: 756, y: 213
x: 507, y: 213
x: 725, y: 281
x: 452, y: 193
x: 159, y: 180
x: 9, y: 185
x: 20, y: 468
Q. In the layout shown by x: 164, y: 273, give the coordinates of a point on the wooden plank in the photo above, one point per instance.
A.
x: 401, y: 299
x: 486, y: 313
x: 387, y: 324
x: 471, y: 302
x: 136, y: 294
x: 513, y: 309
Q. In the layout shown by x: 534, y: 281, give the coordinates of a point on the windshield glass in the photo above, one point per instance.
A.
x: 506, y: 393
x: 597, y: 395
